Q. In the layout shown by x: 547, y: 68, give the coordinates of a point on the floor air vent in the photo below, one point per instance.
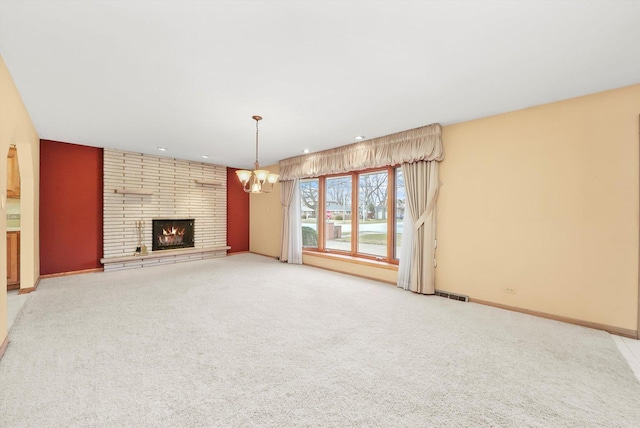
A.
x: 452, y: 296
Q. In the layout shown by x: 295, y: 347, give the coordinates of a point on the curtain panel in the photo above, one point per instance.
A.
x: 291, y: 244
x: 286, y: 196
x: 422, y: 186
x: 406, y: 251
x: 295, y: 227
x: 419, y: 144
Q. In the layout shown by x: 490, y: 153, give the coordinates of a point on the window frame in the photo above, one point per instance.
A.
x: 390, y: 257
x: 394, y: 244
x: 323, y: 189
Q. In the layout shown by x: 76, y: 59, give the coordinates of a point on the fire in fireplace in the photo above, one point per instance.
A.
x: 172, y: 233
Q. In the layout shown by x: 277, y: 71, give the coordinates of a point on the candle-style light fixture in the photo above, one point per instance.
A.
x: 258, y: 180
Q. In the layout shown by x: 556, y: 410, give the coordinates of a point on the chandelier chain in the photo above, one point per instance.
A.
x: 257, y: 165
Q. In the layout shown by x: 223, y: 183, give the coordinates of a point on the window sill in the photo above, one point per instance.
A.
x: 351, y: 259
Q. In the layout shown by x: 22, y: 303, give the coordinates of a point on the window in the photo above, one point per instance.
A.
x: 309, y: 205
x: 358, y: 214
x: 337, y: 205
x: 372, y: 218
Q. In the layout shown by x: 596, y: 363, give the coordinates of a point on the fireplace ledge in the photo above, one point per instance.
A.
x: 163, y: 254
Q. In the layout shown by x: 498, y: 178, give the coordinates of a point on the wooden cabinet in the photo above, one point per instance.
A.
x: 13, y: 260
x: 13, y: 174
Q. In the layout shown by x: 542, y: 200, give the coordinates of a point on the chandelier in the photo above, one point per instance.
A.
x: 258, y: 180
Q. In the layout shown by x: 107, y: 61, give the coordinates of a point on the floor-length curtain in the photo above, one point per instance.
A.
x: 295, y: 226
x: 406, y: 249
x: 286, y: 196
x: 421, y: 184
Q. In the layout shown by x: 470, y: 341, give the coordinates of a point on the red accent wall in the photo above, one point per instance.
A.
x: 70, y: 207
x: 237, y: 214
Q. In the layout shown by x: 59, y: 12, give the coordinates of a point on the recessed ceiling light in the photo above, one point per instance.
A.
x: 162, y: 149
x: 305, y: 151
x: 360, y: 137
x: 205, y: 156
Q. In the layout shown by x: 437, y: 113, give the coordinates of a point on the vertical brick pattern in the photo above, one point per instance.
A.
x: 175, y: 194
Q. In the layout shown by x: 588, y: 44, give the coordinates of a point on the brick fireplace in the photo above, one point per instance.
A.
x: 140, y: 188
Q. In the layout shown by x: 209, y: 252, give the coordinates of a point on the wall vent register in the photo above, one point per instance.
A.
x: 452, y: 296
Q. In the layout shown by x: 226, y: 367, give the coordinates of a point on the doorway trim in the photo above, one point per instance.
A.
x: 638, y: 310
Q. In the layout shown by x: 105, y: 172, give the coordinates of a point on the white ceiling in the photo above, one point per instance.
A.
x: 188, y: 75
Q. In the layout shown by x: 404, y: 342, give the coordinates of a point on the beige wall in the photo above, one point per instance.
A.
x: 265, y: 222
x: 545, y: 201
x: 16, y: 128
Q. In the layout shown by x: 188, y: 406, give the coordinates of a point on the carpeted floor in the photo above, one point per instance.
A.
x: 245, y: 341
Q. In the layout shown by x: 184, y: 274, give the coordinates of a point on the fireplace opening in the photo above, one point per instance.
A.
x: 172, y: 233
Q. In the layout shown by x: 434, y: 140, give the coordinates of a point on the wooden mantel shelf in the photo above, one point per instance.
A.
x: 134, y: 191
x: 209, y: 182
x: 163, y: 254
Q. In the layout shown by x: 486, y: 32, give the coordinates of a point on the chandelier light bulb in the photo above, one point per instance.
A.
x: 261, y: 174
x: 244, y: 175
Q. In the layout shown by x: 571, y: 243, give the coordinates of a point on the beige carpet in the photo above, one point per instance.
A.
x: 246, y: 341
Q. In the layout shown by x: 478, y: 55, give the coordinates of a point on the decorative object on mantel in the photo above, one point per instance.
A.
x: 258, y: 180
x: 134, y: 191
x: 141, y: 249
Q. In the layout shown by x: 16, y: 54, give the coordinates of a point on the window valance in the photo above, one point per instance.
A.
x: 419, y: 144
